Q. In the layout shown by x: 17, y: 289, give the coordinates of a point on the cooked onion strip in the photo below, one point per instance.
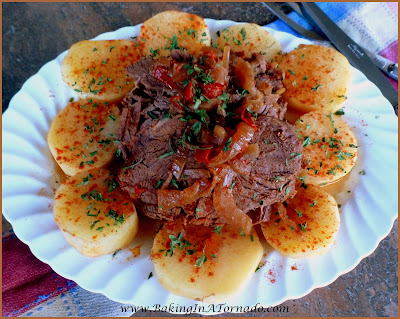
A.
x: 224, y: 202
x: 170, y: 198
x: 177, y: 167
x: 283, y: 214
x: 219, y: 134
x: 240, y: 140
x: 244, y: 75
x: 226, y: 56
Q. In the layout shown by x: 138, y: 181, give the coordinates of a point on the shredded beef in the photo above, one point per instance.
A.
x: 152, y: 127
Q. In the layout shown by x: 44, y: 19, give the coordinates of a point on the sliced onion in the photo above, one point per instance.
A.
x: 225, y: 58
x: 254, y: 102
x: 265, y: 87
x: 240, y: 140
x: 210, y: 105
x: 179, y: 73
x: 197, y: 173
x: 250, y: 153
x: 177, y: 167
x: 219, y: 74
x: 283, y: 214
x: 241, y: 163
x: 244, y: 75
x: 170, y: 198
x: 240, y: 166
x: 219, y: 134
x: 224, y: 203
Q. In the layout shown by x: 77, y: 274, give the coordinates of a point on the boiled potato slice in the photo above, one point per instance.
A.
x: 316, y: 78
x: 314, y: 222
x: 170, y: 30
x: 82, y: 135
x: 248, y: 39
x: 210, y: 267
x: 95, y: 216
x: 97, y: 69
x: 329, y: 147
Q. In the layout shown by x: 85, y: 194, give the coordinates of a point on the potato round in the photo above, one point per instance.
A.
x: 97, y: 69
x: 316, y: 78
x: 231, y: 260
x: 95, y: 216
x: 82, y: 135
x: 171, y: 30
x: 248, y: 39
x: 317, y: 213
x: 329, y: 147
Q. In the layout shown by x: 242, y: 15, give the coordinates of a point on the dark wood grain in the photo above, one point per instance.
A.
x: 35, y: 33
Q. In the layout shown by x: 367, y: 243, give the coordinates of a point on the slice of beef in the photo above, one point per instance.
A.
x: 274, y: 171
x: 204, y: 213
x: 152, y: 153
x: 181, y: 55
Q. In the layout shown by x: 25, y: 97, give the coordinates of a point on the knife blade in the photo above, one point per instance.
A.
x: 354, y: 53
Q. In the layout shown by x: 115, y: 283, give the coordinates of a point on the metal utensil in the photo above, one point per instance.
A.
x: 387, y: 66
x: 356, y: 55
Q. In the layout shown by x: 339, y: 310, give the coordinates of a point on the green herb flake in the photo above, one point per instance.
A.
x: 217, y: 229
x: 199, y: 262
x: 227, y: 144
x: 303, y: 227
x: 132, y: 166
x: 113, y: 255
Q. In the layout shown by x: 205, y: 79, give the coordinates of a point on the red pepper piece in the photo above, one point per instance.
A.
x: 246, y: 117
x: 176, y: 100
x: 203, y: 155
x: 212, y: 90
x: 188, y: 93
x: 138, y: 190
x: 161, y: 74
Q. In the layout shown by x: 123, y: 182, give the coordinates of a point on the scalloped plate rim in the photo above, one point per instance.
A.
x: 352, y: 265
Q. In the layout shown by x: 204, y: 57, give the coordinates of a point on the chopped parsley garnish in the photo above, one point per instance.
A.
x: 339, y: 112
x: 315, y: 88
x: 227, y: 144
x: 151, y: 114
x: 113, y: 255
x: 307, y: 141
x: 85, y: 180
x: 132, y: 166
x: 159, y: 183
x: 303, y: 227
x: 199, y: 262
x: 166, y: 155
x: 217, y: 229
x: 114, y: 215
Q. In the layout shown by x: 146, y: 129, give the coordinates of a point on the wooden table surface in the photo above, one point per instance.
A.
x: 35, y: 33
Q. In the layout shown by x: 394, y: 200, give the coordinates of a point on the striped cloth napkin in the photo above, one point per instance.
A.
x: 32, y: 288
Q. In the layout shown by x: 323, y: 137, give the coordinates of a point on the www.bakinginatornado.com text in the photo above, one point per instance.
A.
x: 196, y: 308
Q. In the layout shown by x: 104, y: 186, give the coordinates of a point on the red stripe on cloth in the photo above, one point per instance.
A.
x: 19, y: 265
x: 20, y: 299
x: 27, y: 281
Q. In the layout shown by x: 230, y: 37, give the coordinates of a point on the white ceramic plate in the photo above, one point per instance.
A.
x: 30, y: 175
